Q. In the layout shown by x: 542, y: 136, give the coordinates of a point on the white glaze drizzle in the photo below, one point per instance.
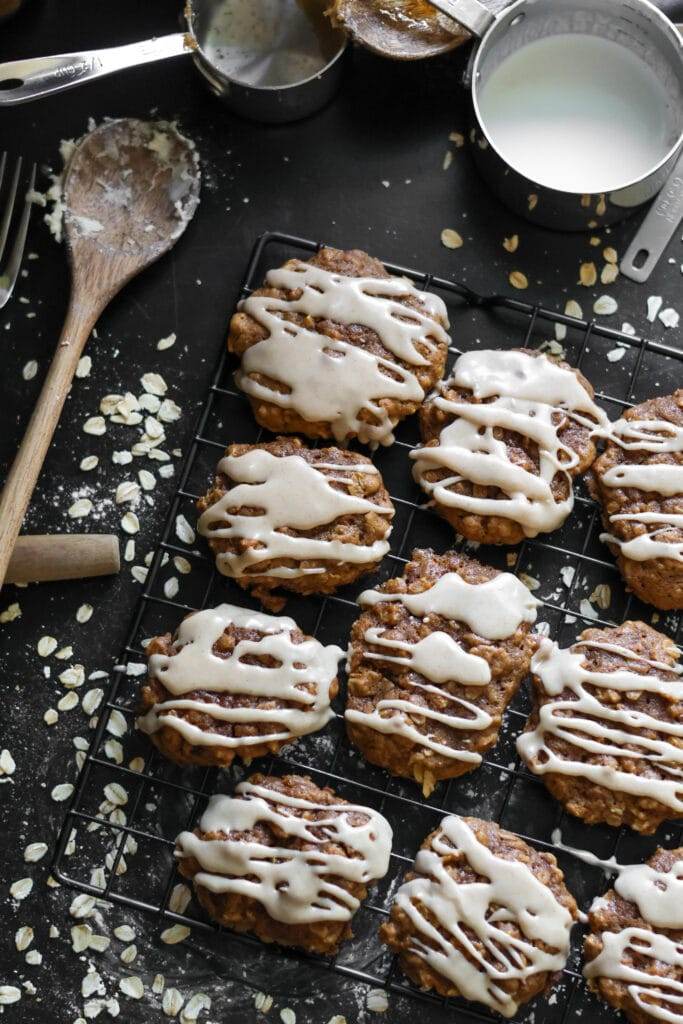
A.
x: 494, y: 609
x: 528, y: 391
x: 329, y: 379
x: 657, y: 437
x: 295, y: 886
x: 509, y: 894
x: 597, y: 728
x: 290, y: 492
x: 194, y: 666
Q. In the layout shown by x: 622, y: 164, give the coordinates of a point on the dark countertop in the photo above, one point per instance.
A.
x: 365, y: 172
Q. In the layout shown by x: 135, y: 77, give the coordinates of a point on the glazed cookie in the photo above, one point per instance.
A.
x: 235, y: 683
x: 634, y: 951
x: 337, y: 347
x: 285, y: 860
x: 434, y: 660
x: 638, y: 481
x: 502, y: 439
x: 482, y: 915
x: 606, y: 732
x: 285, y: 515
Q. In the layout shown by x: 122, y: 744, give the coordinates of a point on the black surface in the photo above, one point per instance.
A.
x: 323, y: 178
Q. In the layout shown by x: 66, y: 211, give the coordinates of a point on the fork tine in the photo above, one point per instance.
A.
x: 11, y: 272
x: 9, y: 207
x: 3, y: 161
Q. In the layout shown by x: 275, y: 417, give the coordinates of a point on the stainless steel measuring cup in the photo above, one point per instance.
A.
x: 637, y: 26
x: 251, y: 89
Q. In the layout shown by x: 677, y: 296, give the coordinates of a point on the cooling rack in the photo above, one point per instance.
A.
x: 117, y: 844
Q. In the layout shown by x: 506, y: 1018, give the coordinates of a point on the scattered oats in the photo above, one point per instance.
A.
x: 151, y: 403
x: 572, y: 308
x: 158, y: 984
x: 89, y: 462
x: 588, y: 275
x: 137, y: 764
x: 595, y: 241
x: 19, y: 890
x: 377, y: 1001
x: 167, y: 342
x: 84, y: 367
x: 54, y: 932
x: 154, y: 383
x: 263, y: 1002
x: 9, y: 994
x: 601, y: 206
x: 80, y: 508
x: 172, y: 1002
x: 135, y: 668
x: 560, y: 332
x: 11, y: 612
x: 114, y: 751
x: 610, y: 255
x: 46, y: 645
x: 73, y: 676
x: 587, y: 610
x: 80, y: 743
x: 95, y: 425
x: 157, y: 455
x: 50, y: 717
x: 116, y: 794
x: 153, y: 428
x: 184, y: 531
x: 92, y: 700
x: 99, y: 943
x: 64, y: 653
x: 23, y: 937
x: 121, y: 458
x: 84, y: 613
x: 337, y: 1019
x: 198, y: 1002
x: 124, y: 932
x: 128, y: 490
x: 176, y: 933
x: 629, y: 329
x: 130, y: 523
x: 147, y: 479
x: 287, y: 1016
x: 457, y: 138
x: 447, y: 160
x: 609, y: 273
x: 169, y: 411
x: 132, y: 987
x: 602, y: 596
x: 33, y: 957
x: 518, y: 280
x: 615, y: 354
x: 92, y: 984
x: 68, y: 702
x: 62, y: 792
x: 166, y: 471
x: 139, y: 573
x: 511, y: 244
x: 128, y: 954
x: 532, y: 201
x: 654, y: 304
x: 529, y: 581
x: 182, y: 565
x: 605, y: 305
x: 179, y: 899
x: 7, y: 763
x: 171, y: 587
x: 669, y: 317
x: 451, y: 239
x: 129, y: 551
x: 35, y: 852
x: 567, y: 572
x: 80, y: 937
x: 30, y: 369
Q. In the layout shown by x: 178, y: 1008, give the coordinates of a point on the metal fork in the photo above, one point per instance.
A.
x: 10, y: 271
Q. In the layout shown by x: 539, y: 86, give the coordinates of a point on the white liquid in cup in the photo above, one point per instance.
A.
x: 267, y: 42
x: 577, y: 113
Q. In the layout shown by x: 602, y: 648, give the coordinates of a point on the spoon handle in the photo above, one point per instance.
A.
x: 23, y: 80
x: 22, y: 477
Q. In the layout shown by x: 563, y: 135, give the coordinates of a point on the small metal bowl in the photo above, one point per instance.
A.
x: 271, y: 103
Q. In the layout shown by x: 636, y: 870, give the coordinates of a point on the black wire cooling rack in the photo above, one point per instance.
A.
x: 117, y: 844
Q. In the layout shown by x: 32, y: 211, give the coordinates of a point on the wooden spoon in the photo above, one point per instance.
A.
x: 130, y: 189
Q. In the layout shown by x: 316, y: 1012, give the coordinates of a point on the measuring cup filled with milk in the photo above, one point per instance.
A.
x: 578, y: 105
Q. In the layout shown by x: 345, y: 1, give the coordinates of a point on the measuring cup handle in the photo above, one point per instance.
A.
x: 471, y: 14
x: 23, y: 80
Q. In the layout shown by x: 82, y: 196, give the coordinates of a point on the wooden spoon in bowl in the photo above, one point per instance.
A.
x: 130, y: 189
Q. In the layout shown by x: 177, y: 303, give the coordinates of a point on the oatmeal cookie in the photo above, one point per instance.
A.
x: 337, y: 347
x: 325, y: 854
x: 434, y: 660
